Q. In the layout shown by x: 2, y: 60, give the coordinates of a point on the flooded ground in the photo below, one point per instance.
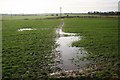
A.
x: 67, y: 56
x: 25, y: 29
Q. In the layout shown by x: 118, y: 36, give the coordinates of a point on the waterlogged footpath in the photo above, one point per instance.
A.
x: 68, y: 57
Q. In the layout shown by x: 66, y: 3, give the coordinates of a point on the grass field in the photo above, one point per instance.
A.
x: 27, y: 54
x: 20, y: 17
x: 100, y: 39
x: 44, y: 16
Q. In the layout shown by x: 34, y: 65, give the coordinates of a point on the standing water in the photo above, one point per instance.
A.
x: 68, y: 57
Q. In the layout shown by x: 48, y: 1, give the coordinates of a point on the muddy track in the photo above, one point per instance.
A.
x: 67, y: 57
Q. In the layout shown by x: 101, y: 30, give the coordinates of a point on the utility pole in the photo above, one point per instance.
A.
x: 119, y: 6
x: 60, y: 11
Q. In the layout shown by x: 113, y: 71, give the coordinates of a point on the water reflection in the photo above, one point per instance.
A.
x: 25, y: 29
x: 68, y: 57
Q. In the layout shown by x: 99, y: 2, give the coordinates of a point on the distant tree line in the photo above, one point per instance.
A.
x: 104, y: 13
x: 21, y: 14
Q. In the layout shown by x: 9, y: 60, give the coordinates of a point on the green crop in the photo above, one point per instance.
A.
x: 100, y: 39
x: 27, y: 54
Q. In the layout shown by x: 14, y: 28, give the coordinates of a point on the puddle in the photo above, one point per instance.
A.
x: 68, y: 57
x: 26, y: 29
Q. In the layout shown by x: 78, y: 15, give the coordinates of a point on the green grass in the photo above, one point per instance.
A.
x: 26, y: 54
x: 100, y: 39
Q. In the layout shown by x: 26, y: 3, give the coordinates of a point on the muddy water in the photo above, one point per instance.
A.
x: 68, y: 57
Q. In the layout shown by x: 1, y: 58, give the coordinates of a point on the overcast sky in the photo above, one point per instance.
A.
x: 53, y: 6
